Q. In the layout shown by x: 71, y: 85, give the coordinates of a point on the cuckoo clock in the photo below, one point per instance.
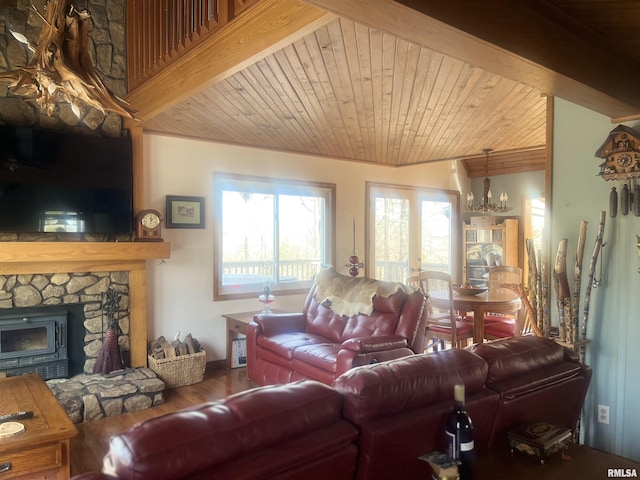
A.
x: 621, y: 154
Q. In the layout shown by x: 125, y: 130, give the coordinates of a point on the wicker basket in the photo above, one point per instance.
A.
x: 181, y: 370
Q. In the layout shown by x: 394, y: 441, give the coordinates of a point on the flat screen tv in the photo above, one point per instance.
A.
x: 52, y: 181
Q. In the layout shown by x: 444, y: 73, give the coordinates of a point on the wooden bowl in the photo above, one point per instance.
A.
x: 468, y: 291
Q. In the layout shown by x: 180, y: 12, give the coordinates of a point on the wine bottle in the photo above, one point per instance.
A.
x: 459, y: 435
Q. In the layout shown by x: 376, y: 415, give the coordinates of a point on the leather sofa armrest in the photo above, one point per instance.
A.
x: 374, y: 344
x: 272, y: 323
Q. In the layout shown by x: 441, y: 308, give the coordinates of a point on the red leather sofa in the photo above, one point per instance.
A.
x: 294, y: 431
x: 400, y: 407
x: 373, y: 423
x: 537, y: 380
x: 320, y: 344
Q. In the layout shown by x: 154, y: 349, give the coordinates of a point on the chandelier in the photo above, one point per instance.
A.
x: 486, y: 205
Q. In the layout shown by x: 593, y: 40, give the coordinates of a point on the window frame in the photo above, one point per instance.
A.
x: 276, y: 186
x: 416, y: 194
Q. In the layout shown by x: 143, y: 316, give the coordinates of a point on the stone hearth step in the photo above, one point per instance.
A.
x: 91, y: 397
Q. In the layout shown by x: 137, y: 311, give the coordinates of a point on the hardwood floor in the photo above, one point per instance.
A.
x: 92, y: 442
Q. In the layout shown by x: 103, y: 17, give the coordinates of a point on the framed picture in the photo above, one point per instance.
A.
x: 185, y: 212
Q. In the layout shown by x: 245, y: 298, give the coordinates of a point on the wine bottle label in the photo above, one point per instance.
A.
x: 466, y: 446
x: 451, y: 444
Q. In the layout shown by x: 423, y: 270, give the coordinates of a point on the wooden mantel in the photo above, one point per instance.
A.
x: 65, y: 257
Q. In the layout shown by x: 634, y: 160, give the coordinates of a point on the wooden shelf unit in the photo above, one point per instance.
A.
x: 484, y: 246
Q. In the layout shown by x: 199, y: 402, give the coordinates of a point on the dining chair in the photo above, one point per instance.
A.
x: 443, y: 324
x: 500, y: 325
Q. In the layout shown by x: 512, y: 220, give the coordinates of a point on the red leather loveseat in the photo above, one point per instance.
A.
x: 345, y: 322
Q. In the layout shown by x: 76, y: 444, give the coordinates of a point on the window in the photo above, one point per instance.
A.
x: 270, y: 232
x: 412, y: 229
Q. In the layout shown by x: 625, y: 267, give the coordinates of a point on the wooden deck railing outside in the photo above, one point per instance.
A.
x: 158, y: 31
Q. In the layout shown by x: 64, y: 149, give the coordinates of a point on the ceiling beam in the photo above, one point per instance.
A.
x: 262, y: 30
x: 525, y: 41
x: 501, y: 163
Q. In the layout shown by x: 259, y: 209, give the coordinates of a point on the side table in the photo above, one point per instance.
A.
x: 42, y: 450
x: 236, y: 325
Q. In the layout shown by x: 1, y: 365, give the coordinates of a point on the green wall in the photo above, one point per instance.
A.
x: 614, y: 323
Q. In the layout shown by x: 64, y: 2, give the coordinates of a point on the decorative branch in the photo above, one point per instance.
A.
x: 563, y: 295
x: 577, y: 283
x: 592, y: 269
x: 61, y: 69
x: 530, y: 311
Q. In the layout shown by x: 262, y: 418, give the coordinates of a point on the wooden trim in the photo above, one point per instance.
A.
x: 138, y: 310
x: 261, y: 30
x: 137, y: 147
x: 23, y: 268
x: 91, y: 252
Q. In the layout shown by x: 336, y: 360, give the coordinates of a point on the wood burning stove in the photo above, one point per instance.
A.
x: 34, y: 343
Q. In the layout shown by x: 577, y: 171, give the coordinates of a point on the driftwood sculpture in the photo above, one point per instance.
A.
x: 61, y: 69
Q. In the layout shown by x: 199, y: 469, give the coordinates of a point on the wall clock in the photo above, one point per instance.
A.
x: 621, y: 154
x: 148, y: 226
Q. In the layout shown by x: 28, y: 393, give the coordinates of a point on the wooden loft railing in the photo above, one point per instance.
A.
x: 159, y: 31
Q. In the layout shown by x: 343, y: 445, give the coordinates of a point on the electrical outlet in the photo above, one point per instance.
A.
x: 603, y: 414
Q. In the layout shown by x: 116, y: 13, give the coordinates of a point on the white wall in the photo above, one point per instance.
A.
x: 181, y: 290
x: 613, y: 323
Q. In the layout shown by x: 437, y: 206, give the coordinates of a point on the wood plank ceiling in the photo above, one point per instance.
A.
x: 384, y: 82
x: 352, y: 92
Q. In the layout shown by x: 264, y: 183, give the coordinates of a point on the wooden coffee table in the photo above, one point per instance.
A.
x: 42, y: 450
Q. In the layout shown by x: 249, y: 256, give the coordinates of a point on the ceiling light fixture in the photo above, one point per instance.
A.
x: 486, y: 206
x: 60, y: 69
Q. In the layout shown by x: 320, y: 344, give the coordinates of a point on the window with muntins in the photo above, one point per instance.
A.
x: 270, y: 232
x: 412, y: 229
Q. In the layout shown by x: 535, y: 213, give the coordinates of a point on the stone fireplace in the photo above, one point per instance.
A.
x: 73, y: 276
x: 77, y: 273
x: 26, y: 295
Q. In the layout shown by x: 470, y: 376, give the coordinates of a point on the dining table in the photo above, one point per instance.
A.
x: 495, y: 301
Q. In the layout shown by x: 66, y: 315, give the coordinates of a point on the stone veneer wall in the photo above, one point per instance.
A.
x: 107, y: 50
x: 35, y: 290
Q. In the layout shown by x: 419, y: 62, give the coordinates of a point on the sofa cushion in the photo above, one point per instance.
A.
x: 387, y: 388
x: 209, y: 435
x: 536, y: 380
x: 322, y: 321
x: 284, y: 344
x: 382, y: 321
x: 322, y: 356
x: 518, y: 356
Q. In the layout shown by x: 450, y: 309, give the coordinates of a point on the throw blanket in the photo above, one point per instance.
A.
x: 350, y: 296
